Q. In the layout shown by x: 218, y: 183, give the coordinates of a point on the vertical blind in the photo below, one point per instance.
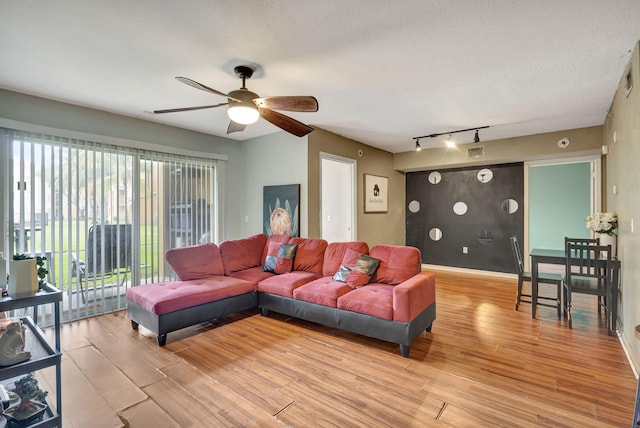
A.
x: 102, y: 214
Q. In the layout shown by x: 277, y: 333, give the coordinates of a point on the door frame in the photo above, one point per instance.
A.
x: 595, y: 190
x: 354, y: 191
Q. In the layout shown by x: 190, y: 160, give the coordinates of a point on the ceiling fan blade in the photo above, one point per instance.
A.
x: 295, y: 103
x: 202, y: 87
x: 235, y: 127
x: 175, y: 110
x: 287, y: 123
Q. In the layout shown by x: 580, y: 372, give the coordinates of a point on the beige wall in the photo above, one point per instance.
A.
x: 623, y: 172
x: 272, y: 160
x: 374, y: 228
x: 584, y: 141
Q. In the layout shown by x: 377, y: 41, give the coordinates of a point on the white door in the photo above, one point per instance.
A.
x: 337, y: 198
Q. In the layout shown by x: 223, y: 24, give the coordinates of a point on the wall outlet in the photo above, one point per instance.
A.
x: 246, y: 219
x: 465, y: 250
x: 632, y: 226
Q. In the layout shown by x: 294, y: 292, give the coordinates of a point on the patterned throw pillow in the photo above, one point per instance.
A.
x: 363, y: 271
x: 358, y: 275
x: 342, y: 273
x: 280, y: 258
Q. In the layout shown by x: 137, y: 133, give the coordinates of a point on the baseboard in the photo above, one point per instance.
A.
x: 626, y: 348
x: 468, y: 271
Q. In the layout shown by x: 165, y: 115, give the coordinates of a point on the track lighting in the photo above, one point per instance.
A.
x: 449, y: 141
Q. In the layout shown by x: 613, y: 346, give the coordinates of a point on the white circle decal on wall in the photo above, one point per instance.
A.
x: 414, y: 206
x: 434, y: 177
x: 509, y: 206
x: 435, y: 234
x: 485, y: 175
x: 460, y: 208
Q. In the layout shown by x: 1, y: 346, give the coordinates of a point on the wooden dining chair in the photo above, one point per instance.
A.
x: 543, y: 278
x: 591, y: 241
x: 588, y: 270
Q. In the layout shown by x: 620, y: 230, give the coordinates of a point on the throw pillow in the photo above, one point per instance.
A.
x: 349, y: 260
x: 363, y: 271
x: 279, y: 258
x: 342, y: 273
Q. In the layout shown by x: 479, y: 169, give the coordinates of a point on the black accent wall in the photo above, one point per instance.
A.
x: 494, y: 212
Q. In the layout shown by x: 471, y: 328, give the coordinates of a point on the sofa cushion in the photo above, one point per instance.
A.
x: 310, y: 255
x: 253, y: 275
x: 195, y: 261
x: 281, y: 239
x: 323, y: 291
x: 242, y: 253
x: 164, y: 297
x: 283, y: 285
x: 374, y: 299
x: 335, y: 252
x: 280, y: 258
x: 397, y: 263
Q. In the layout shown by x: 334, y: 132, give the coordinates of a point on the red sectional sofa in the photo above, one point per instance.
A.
x: 333, y: 284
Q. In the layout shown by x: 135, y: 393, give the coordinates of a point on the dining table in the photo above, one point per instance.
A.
x: 559, y: 257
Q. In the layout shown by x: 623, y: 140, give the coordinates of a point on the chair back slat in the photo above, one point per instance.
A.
x: 517, y: 254
x: 588, y: 260
x: 593, y: 241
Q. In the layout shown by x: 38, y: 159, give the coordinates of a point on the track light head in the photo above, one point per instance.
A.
x: 476, y: 138
x: 449, y: 141
x: 418, y: 148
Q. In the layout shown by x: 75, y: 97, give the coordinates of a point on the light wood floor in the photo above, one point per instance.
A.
x: 483, y: 365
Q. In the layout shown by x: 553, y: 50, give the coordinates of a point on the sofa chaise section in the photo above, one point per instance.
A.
x: 202, y: 293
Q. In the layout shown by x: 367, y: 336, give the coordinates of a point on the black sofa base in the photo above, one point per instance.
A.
x: 172, y: 321
x: 390, y: 331
x: 367, y: 325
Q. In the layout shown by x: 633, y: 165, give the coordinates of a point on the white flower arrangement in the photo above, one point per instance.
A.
x: 605, y: 223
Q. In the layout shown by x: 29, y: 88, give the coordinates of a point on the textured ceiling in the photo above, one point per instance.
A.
x: 383, y: 71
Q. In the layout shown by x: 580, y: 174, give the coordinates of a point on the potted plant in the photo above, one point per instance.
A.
x: 605, y: 225
x: 24, y: 271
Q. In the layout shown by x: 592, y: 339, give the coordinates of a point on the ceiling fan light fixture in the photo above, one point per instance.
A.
x: 244, y: 115
x: 242, y: 109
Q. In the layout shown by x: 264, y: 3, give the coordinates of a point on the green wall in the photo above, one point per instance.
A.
x: 559, y: 201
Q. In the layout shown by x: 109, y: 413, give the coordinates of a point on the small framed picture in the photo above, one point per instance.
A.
x: 376, y: 194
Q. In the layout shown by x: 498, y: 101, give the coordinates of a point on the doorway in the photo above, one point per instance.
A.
x: 560, y: 196
x: 337, y: 198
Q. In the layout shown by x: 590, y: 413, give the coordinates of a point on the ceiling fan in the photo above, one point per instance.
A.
x: 246, y: 107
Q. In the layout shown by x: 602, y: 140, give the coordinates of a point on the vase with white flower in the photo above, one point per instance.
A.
x: 605, y: 226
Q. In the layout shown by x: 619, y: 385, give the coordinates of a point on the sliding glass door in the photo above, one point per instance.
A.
x: 102, y: 215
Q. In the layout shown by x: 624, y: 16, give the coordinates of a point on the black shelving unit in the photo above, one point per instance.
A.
x: 43, y: 355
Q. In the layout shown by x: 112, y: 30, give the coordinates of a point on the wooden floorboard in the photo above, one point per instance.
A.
x: 483, y: 365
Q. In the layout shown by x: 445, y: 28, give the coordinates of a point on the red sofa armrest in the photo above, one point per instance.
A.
x: 413, y: 296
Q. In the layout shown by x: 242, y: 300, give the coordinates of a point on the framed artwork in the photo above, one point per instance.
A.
x: 280, y: 210
x: 376, y: 194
